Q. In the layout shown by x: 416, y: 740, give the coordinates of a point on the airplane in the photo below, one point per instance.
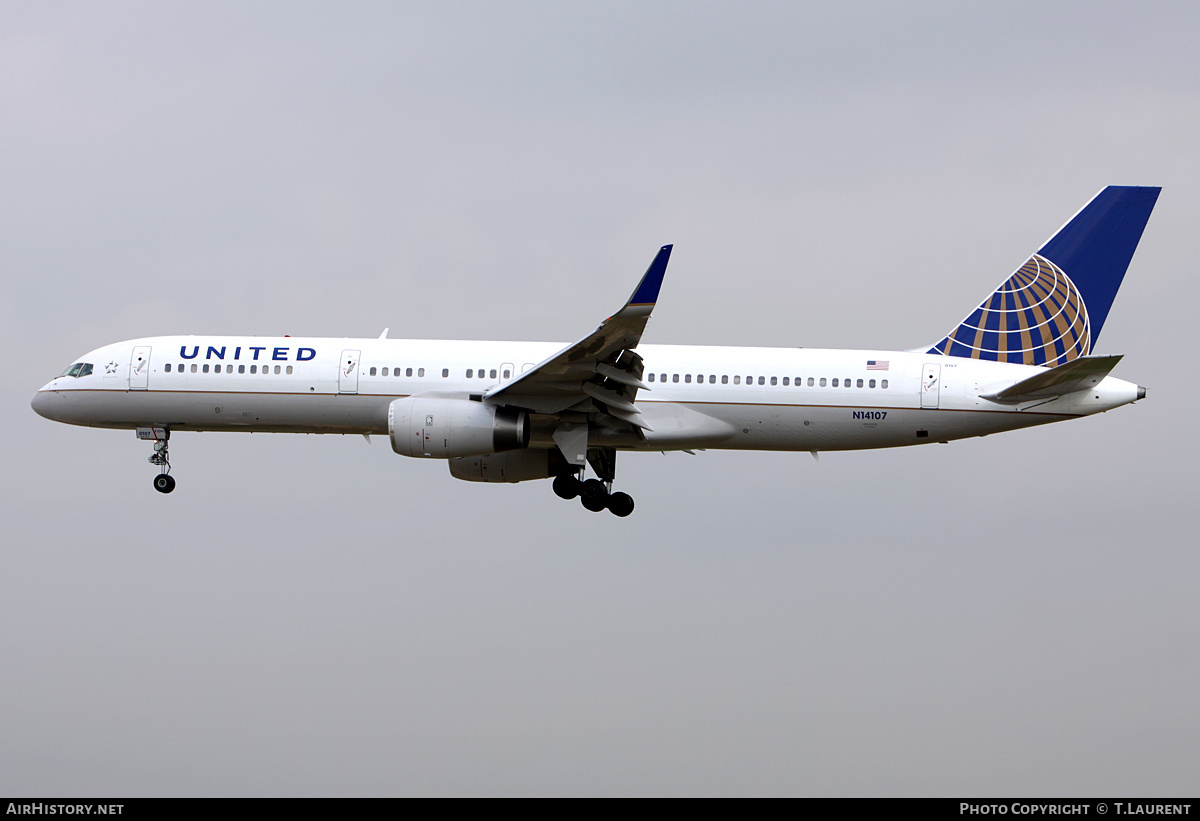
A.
x: 519, y: 411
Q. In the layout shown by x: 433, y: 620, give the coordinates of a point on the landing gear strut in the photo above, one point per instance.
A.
x: 596, y: 494
x: 164, y: 482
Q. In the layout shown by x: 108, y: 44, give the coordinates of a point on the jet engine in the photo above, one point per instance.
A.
x: 513, y: 466
x: 443, y: 428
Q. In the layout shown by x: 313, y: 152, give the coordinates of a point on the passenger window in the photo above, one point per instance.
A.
x: 384, y: 372
x: 421, y: 372
x: 276, y: 370
x: 241, y: 368
x: 785, y: 381
x: 846, y: 382
x: 492, y: 373
x: 737, y: 380
x: 206, y: 368
x: 835, y: 382
x: 883, y: 383
x: 372, y: 371
x: 724, y: 379
x: 168, y: 367
x: 408, y: 372
x: 774, y: 381
x: 254, y: 369
x: 289, y: 369
x: 193, y: 367
x: 687, y: 377
x: 662, y: 377
x: 651, y: 378
x: 823, y: 382
x: 762, y: 380
x: 508, y: 373
x: 712, y: 379
x: 470, y: 373
x: 871, y: 383
x: 674, y: 377
x: 810, y: 382
x: 859, y: 383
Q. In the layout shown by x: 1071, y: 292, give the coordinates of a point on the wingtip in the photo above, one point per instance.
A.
x: 647, y: 290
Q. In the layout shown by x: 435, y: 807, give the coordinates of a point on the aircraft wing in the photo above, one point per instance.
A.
x: 1078, y: 374
x: 599, y: 373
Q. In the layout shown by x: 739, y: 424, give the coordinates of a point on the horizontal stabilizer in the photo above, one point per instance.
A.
x: 1078, y: 374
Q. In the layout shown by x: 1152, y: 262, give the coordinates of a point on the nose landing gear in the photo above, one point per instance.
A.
x: 164, y: 482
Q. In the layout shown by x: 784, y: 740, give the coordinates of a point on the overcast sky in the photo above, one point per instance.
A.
x: 307, y: 615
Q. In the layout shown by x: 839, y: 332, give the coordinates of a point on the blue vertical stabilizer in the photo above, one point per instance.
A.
x: 1052, y: 309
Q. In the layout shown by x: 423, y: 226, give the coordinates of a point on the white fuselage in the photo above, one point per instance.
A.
x: 696, y: 396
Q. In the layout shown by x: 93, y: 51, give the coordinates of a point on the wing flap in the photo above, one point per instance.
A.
x: 603, y: 363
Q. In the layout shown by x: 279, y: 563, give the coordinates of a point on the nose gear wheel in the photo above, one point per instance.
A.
x: 164, y: 482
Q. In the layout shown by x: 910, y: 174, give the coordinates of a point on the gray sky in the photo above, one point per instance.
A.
x: 318, y: 616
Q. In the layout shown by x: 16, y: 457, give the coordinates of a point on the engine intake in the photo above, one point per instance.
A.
x: 437, y: 428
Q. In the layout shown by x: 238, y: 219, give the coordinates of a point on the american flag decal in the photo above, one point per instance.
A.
x: 877, y: 364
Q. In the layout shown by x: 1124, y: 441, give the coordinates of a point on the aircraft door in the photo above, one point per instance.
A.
x: 139, y: 368
x: 348, y: 372
x: 931, y: 385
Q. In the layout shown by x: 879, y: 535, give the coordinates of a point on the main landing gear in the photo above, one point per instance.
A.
x: 596, y: 494
x: 164, y: 482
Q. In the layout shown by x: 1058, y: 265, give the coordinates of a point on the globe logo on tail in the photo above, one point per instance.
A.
x: 1037, y: 317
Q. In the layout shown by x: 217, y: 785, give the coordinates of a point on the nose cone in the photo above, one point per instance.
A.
x: 49, y: 403
x: 42, y: 402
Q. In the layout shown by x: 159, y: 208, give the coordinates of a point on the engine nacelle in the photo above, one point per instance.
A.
x: 439, y: 428
x: 514, y: 466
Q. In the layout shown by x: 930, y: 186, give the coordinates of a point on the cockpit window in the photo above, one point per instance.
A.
x: 77, y: 370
